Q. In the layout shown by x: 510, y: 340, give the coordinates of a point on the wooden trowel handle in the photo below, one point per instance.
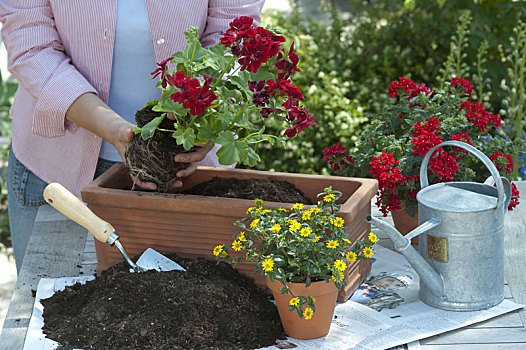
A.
x: 66, y: 203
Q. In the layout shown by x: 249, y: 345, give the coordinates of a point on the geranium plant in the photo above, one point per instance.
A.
x: 391, y: 148
x: 301, y: 245
x: 223, y: 94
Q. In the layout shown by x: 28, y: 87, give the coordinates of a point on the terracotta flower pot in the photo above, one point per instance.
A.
x: 325, y: 294
x: 405, y: 223
x: 192, y: 225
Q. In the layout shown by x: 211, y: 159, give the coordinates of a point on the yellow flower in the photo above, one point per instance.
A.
x: 328, y: 265
x: 218, y: 249
x: 224, y: 254
x: 294, y: 301
x: 306, y: 215
x: 282, y: 210
x: 341, y: 275
x: 297, y: 206
x: 316, y: 239
x: 254, y: 223
x: 346, y: 240
x: 305, y: 232
x: 373, y: 238
x: 247, y: 254
x: 258, y: 202
x: 294, y: 225
x: 332, y: 244
x: 250, y: 210
x: 264, y: 211
x: 340, y: 265
x: 338, y: 222
x: 315, y: 210
x: 313, y: 299
x: 367, y: 252
x: 329, y: 197
x: 275, y: 228
x: 236, y: 245
x: 307, y: 314
x: 351, y: 256
x: 241, y: 237
x: 268, y: 265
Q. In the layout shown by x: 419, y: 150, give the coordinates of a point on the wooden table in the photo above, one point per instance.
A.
x: 59, y: 247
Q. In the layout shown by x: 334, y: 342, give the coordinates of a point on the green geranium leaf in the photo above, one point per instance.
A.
x: 231, y: 150
x: 241, y: 80
x: 150, y: 103
x: 194, y: 50
x: 262, y: 74
x: 149, y: 129
x: 206, y: 133
x: 179, y: 57
x: 228, y: 94
x: 166, y: 104
x: 217, y: 53
x: 185, y: 137
x: 252, y: 159
x: 226, y: 118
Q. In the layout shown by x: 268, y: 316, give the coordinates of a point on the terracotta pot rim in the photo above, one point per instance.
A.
x: 328, y: 286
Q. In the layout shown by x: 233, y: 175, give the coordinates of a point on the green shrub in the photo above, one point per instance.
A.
x: 346, y: 64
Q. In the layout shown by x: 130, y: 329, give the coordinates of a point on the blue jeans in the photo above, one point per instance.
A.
x: 24, y: 197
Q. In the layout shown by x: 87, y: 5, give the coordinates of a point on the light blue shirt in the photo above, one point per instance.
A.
x: 133, y: 60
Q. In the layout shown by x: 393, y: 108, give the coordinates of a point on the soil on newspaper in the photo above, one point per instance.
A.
x: 209, y: 306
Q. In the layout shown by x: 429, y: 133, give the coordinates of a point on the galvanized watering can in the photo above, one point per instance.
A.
x: 461, y: 245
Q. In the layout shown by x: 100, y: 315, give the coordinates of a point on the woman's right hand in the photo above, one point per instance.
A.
x: 92, y: 114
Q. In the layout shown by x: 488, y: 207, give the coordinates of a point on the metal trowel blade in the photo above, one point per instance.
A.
x: 153, y: 260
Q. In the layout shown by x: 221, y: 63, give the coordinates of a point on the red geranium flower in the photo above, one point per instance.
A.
x: 283, y: 87
x: 502, y: 161
x: 336, y: 155
x: 161, y: 70
x: 463, y: 83
x: 238, y: 30
x: 287, y: 66
x: 259, y: 48
x: 299, y: 118
x: 192, y: 95
x: 425, y: 136
x: 479, y: 117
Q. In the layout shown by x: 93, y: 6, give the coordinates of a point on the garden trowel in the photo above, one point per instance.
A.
x: 65, y: 202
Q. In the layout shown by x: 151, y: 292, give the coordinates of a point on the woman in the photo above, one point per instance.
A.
x: 84, y: 69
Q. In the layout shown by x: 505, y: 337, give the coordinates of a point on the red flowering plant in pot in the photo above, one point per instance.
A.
x: 222, y: 95
x: 391, y: 148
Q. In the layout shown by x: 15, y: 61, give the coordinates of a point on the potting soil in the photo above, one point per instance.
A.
x: 209, y: 306
x: 266, y: 189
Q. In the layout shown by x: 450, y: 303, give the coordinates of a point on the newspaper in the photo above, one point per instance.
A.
x: 384, y: 312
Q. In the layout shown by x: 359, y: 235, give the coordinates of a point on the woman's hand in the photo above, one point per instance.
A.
x: 91, y: 113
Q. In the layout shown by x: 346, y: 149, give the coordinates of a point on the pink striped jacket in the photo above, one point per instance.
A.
x: 60, y: 49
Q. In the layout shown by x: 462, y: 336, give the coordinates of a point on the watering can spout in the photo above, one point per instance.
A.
x: 426, y: 272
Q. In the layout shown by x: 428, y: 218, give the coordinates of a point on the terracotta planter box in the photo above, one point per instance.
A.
x: 193, y: 225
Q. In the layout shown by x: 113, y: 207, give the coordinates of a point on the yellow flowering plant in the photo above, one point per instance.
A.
x: 302, y: 245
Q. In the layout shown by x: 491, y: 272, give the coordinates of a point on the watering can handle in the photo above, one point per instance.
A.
x: 481, y: 156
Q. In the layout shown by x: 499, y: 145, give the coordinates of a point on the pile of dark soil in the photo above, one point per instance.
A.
x: 267, y: 189
x: 209, y: 306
